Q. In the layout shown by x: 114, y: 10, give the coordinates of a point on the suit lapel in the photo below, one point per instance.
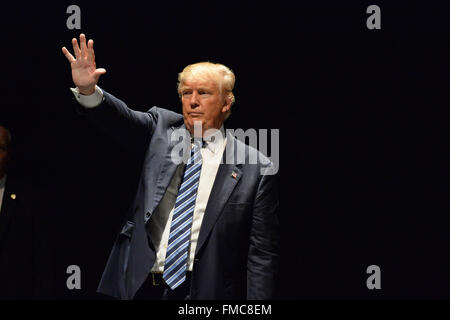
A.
x: 8, y: 208
x: 167, y: 169
x: 227, y: 177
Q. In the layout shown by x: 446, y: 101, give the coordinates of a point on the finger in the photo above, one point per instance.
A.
x: 91, y: 54
x: 83, y: 45
x: 76, y: 48
x: 68, y: 55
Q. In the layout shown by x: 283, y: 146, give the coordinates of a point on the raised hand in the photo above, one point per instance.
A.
x: 85, y: 75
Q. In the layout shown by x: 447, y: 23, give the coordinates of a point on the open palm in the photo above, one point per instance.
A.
x: 85, y: 74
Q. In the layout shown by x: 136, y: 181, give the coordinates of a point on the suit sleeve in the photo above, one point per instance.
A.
x: 263, y: 256
x: 130, y: 128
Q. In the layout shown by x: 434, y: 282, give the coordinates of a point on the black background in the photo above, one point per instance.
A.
x: 363, y: 118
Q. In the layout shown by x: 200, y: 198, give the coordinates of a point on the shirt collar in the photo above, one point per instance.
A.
x: 3, y: 181
x: 213, y: 143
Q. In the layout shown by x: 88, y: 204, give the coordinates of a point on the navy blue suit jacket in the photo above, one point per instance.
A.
x: 238, y: 246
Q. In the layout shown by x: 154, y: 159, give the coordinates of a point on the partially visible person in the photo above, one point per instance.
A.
x: 25, y: 254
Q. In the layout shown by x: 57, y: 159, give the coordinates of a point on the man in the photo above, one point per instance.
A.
x: 25, y: 255
x: 200, y: 230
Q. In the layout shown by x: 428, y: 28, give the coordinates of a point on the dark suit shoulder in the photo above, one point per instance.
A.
x: 167, y: 116
x: 251, y: 153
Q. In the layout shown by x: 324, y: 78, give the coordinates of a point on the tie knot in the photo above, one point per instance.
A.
x: 197, y: 142
x: 196, y: 157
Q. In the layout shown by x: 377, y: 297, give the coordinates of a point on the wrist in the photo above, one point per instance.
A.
x: 86, y: 91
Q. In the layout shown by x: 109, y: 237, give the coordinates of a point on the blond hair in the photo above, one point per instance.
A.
x: 217, y: 72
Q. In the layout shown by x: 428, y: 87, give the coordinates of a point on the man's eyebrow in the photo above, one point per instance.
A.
x: 198, y: 88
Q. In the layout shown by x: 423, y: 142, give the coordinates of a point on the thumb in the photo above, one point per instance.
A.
x: 98, y: 72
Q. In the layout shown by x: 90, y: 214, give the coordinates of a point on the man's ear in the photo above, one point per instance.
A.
x: 226, y: 104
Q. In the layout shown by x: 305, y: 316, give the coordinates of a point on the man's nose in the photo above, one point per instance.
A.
x: 194, y: 100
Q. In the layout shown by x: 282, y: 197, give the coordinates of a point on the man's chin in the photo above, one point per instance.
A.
x: 196, y: 122
x: 192, y: 124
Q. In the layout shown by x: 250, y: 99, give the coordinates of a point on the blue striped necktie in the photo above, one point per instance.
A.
x: 175, y: 265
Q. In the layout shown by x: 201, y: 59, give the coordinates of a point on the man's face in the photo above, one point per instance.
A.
x: 4, y: 150
x: 203, y: 101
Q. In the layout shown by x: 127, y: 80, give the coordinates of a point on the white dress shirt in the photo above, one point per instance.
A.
x: 2, y: 189
x: 90, y: 101
x: 162, y: 217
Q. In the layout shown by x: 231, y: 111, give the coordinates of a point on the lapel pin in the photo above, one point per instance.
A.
x: 13, y: 196
x: 234, y: 175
